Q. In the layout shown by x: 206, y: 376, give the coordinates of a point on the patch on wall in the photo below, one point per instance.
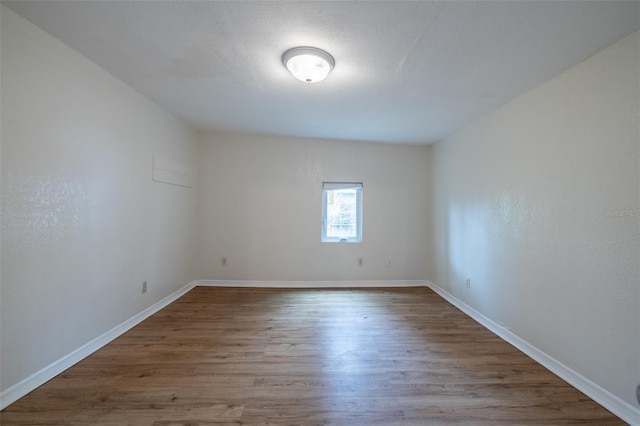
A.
x: 171, y: 172
x: 40, y: 205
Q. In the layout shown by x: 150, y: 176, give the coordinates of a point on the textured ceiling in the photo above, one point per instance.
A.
x: 406, y: 72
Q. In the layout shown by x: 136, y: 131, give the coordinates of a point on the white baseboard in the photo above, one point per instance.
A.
x: 617, y: 406
x: 20, y: 389
x: 312, y: 284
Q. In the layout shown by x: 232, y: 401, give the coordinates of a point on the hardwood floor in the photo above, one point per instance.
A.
x: 233, y: 356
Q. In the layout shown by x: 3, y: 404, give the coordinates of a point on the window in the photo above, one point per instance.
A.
x: 341, y: 212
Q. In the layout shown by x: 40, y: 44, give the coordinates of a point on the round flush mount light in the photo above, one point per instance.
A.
x: 308, y: 64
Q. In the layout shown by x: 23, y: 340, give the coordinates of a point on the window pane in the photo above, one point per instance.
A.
x: 341, y: 212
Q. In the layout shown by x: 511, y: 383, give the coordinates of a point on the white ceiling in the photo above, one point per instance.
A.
x: 406, y: 72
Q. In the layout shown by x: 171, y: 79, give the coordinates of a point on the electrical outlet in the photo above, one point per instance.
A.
x: 223, y: 261
x: 468, y: 282
x: 361, y: 261
x: 307, y: 262
x: 144, y: 287
x: 388, y: 264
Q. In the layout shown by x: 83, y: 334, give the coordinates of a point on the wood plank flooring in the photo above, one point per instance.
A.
x: 234, y: 356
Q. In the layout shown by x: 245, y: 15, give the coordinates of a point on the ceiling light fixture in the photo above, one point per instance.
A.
x: 308, y: 64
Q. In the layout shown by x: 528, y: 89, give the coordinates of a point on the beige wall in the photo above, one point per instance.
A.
x: 538, y: 204
x: 83, y: 225
x: 260, y: 205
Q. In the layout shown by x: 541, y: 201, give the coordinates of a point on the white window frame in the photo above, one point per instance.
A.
x: 328, y: 186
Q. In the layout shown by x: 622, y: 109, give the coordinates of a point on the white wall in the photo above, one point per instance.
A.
x: 538, y: 204
x: 260, y: 205
x: 82, y: 222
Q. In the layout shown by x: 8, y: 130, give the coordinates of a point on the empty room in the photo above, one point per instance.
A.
x: 320, y: 213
